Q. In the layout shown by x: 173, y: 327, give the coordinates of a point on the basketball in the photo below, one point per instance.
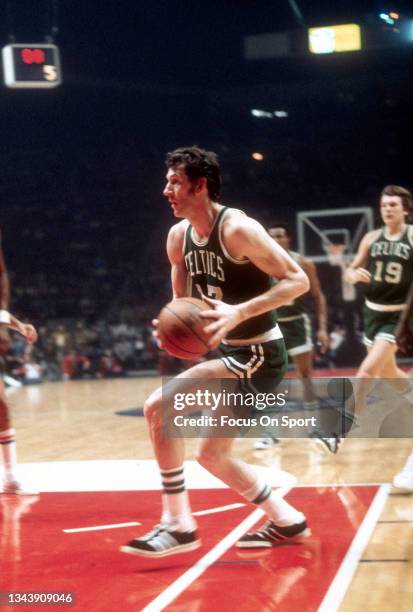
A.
x: 181, y: 329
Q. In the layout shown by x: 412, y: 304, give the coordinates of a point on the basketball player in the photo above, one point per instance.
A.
x: 232, y: 261
x: 404, y: 339
x: 384, y: 262
x: 7, y: 433
x: 295, y: 325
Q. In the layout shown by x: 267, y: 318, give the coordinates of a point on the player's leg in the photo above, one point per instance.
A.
x: 284, y: 521
x: 298, y: 342
x: 390, y: 369
x: 404, y: 479
x: 304, y: 364
x: 7, y: 445
x: 380, y: 364
x: 380, y: 356
x: 303, y: 361
x: 180, y: 535
x: 177, y: 529
x: 11, y: 484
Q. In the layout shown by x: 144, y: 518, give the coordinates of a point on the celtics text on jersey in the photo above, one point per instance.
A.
x: 216, y: 274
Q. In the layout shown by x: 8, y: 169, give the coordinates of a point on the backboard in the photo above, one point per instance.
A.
x: 344, y: 226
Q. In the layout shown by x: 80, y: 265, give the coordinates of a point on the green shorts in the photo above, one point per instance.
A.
x: 297, y: 334
x: 263, y: 365
x: 379, y: 325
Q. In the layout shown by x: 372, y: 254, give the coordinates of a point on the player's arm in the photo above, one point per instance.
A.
x: 7, y: 320
x: 179, y: 276
x: 403, y: 332
x: 4, y: 300
x: 25, y: 329
x: 174, y: 249
x: 319, y: 300
x: 4, y: 282
x: 356, y: 272
x: 247, y: 239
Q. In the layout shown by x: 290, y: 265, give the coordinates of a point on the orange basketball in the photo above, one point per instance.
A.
x: 181, y: 329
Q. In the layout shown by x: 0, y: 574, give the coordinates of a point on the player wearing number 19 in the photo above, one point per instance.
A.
x: 230, y: 258
x: 384, y: 262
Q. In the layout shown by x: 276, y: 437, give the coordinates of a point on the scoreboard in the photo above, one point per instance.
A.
x: 32, y: 66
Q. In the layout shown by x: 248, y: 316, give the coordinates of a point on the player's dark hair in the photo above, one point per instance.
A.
x: 198, y: 164
x: 283, y: 225
x: 404, y: 194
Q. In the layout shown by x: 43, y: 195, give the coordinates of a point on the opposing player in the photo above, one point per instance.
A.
x: 230, y: 258
x: 7, y: 434
x: 384, y: 262
x: 295, y: 325
x: 404, y: 339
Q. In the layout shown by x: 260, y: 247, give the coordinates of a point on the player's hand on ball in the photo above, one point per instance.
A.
x: 226, y: 317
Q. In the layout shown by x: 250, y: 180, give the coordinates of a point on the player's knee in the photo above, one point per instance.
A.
x: 366, y: 372
x: 152, y: 408
x: 210, y: 458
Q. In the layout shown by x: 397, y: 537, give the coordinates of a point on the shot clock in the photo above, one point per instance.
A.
x: 35, y: 66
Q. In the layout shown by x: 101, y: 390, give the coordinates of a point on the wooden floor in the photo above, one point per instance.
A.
x: 78, y: 421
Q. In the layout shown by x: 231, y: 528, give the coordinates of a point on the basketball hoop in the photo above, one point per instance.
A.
x: 335, y: 253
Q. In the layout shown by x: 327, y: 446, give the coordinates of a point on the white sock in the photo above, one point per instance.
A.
x: 258, y: 492
x: 281, y: 512
x: 276, y: 508
x: 176, y: 503
x: 166, y: 515
x: 8, y: 448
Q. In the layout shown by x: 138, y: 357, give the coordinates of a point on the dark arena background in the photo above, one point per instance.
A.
x: 309, y: 122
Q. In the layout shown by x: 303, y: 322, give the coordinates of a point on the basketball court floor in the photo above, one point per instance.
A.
x: 84, y: 447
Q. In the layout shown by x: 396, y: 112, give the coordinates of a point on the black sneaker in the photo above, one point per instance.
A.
x: 330, y: 443
x: 271, y: 535
x: 161, y: 542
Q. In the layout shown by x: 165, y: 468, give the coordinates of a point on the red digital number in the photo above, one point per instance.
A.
x: 33, y: 56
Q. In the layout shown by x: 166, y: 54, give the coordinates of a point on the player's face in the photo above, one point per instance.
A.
x: 391, y: 209
x: 280, y: 235
x: 179, y: 190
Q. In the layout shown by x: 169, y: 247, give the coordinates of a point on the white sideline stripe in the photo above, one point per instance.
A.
x: 177, y: 587
x: 346, y: 571
x: 218, y: 509
x: 99, y: 527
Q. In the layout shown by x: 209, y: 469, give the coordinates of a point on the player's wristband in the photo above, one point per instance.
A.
x: 5, y: 317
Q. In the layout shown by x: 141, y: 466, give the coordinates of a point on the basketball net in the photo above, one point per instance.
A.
x: 336, y: 257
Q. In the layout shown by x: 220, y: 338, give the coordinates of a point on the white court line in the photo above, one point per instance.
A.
x: 340, y: 484
x: 218, y: 509
x: 117, y: 525
x: 346, y: 571
x: 177, y: 587
x: 100, y: 527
